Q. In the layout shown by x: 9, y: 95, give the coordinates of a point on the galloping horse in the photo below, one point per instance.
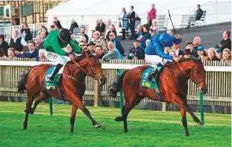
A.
x: 72, y: 86
x: 173, y: 85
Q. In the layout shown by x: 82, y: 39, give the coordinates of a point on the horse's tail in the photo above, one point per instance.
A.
x: 116, y: 86
x: 22, y: 82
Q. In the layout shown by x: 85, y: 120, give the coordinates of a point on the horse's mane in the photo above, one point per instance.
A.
x: 185, y: 60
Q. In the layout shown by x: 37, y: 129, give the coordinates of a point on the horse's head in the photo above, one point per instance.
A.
x: 196, y: 72
x: 91, y: 66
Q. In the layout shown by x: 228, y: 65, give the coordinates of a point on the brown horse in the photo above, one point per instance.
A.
x: 173, y: 85
x: 72, y: 86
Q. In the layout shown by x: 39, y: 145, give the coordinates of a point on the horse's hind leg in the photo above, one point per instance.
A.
x: 27, y: 111
x: 184, y: 121
x: 42, y: 95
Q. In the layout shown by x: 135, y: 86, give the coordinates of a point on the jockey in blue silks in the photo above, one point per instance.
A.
x: 155, y: 52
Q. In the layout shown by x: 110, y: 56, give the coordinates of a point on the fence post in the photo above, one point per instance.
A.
x: 201, y: 96
x: 51, y: 106
x: 119, y: 73
x: 97, y: 93
x: 163, y: 106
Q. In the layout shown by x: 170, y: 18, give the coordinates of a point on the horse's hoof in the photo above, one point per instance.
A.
x: 97, y: 126
x: 118, y: 118
x: 125, y: 131
x: 187, y: 134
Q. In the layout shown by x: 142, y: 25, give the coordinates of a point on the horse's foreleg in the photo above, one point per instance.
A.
x: 27, y: 111
x: 194, y: 117
x: 87, y: 113
x: 73, y: 117
x: 184, y: 121
x: 129, y: 105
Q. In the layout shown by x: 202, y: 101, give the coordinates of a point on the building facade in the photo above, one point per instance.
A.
x: 15, y: 12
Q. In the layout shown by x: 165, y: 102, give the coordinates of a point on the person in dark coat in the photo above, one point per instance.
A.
x: 32, y: 53
x: 73, y: 26
x: 26, y: 32
x: 17, y: 42
x: 101, y: 27
x: 136, y: 52
x: 116, y: 42
x: 199, y: 12
x: 131, y: 17
x: 225, y: 42
x: 3, y: 46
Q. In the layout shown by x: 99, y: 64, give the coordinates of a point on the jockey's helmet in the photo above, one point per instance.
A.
x: 64, y: 35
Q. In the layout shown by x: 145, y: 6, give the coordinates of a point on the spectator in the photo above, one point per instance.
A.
x: 153, y: 26
x: 202, y: 54
x: 32, y: 53
x: 97, y: 23
x: 131, y: 17
x: 177, y: 51
x: 212, y: 55
x: 99, y: 52
x: 11, y: 53
x: 57, y: 24
x: 17, y: 42
x: 25, y: 31
x: 190, y: 47
x: 108, y: 24
x: 123, y: 22
x: 199, y: 12
x: 101, y: 27
x: 117, y: 43
x: 196, y: 44
x: 111, y: 29
x: 225, y: 42
x: 145, y: 36
x: 3, y: 46
x: 187, y: 54
x: 226, y: 55
x: 112, y: 53
x: 38, y: 42
x: 90, y: 47
x: 136, y: 52
x: 83, y: 40
x: 73, y: 26
x: 43, y: 29
x: 138, y: 33
x: 98, y: 40
x: 151, y: 15
x: 43, y: 35
x: 83, y: 33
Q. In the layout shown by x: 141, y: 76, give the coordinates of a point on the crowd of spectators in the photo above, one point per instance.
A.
x: 106, y: 44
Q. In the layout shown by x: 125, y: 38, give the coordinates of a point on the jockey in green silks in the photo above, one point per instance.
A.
x: 53, y: 44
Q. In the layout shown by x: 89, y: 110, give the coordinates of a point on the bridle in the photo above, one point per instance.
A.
x: 92, y: 72
x: 185, y: 74
x: 85, y: 71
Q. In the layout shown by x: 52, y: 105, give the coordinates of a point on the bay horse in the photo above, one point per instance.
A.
x: 173, y: 86
x: 72, y: 86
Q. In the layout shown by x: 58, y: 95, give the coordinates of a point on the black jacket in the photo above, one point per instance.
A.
x: 73, y: 25
x: 199, y: 13
x: 131, y: 17
x: 225, y: 44
x: 139, y: 53
x: 17, y: 44
x: 3, y: 48
x: 101, y: 28
x: 28, y: 34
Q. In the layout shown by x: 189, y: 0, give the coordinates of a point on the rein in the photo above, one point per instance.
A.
x: 78, y: 65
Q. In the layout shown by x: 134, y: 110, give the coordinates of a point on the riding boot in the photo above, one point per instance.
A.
x: 54, y: 72
x: 153, y: 75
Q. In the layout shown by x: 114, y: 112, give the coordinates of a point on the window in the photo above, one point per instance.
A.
x: 1, y: 11
x: 27, y: 9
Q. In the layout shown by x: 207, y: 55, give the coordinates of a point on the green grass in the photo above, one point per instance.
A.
x: 146, y: 129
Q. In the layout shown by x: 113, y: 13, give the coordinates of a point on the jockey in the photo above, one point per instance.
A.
x: 53, y: 44
x: 155, y: 52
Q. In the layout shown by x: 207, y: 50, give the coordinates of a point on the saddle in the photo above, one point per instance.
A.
x: 52, y: 85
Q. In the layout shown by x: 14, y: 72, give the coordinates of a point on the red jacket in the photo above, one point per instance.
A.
x: 152, y: 14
